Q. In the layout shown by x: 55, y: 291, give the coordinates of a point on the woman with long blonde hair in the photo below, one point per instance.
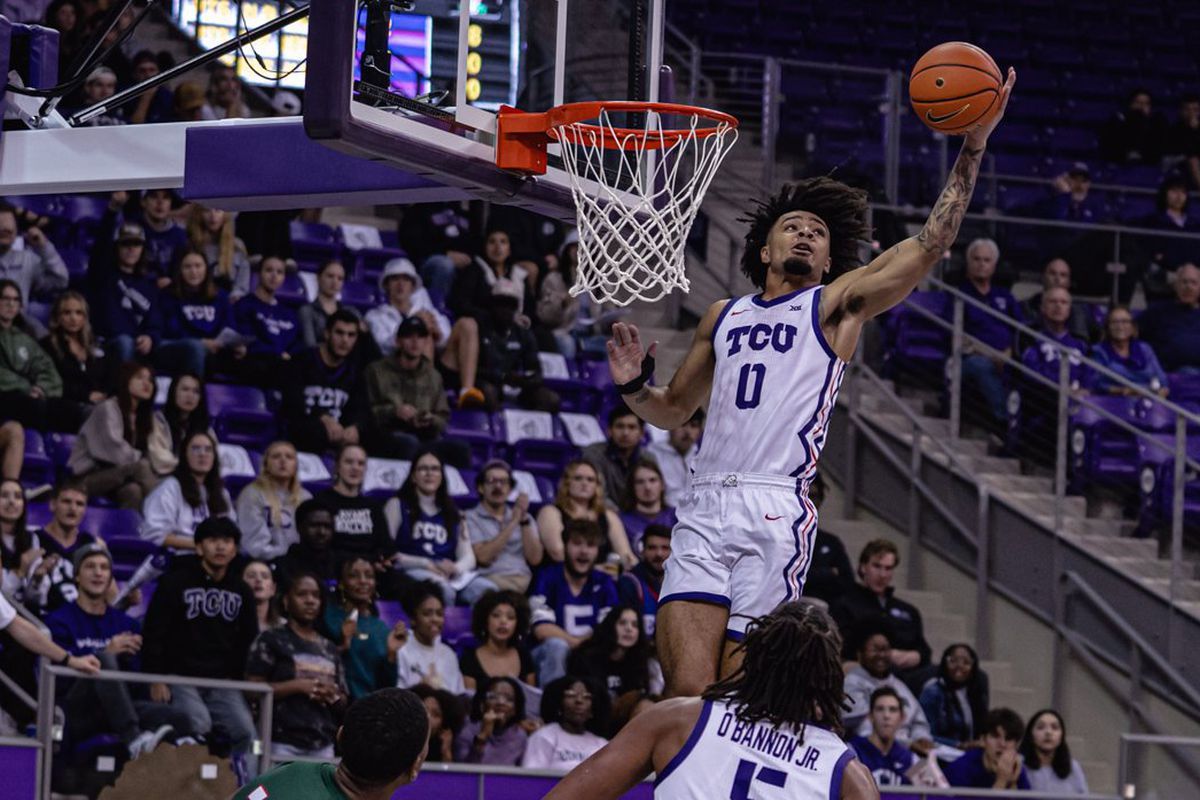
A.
x: 211, y: 232
x: 266, y: 509
x: 72, y: 347
x: 581, y: 496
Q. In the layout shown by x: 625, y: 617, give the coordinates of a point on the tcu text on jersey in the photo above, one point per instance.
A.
x: 212, y: 603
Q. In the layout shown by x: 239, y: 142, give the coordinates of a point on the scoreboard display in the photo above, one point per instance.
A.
x: 423, y: 48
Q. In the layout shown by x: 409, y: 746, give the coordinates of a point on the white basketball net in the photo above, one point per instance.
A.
x: 634, y: 216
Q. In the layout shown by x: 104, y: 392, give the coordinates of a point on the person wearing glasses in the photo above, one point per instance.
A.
x: 574, y: 710
x: 503, y: 536
x: 494, y: 734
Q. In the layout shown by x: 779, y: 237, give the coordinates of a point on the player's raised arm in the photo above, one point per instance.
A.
x: 632, y: 367
x: 890, y: 278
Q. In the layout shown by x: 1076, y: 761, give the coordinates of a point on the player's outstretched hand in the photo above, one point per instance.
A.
x: 625, y: 353
x: 977, y: 137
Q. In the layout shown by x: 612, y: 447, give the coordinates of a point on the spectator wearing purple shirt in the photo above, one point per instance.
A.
x: 274, y: 327
x: 996, y: 765
x: 1173, y: 329
x: 1123, y: 353
x: 1039, y: 400
x: 494, y: 734
x: 645, y: 502
x: 194, y: 313
x: 1071, y: 200
x: 983, y: 372
x: 166, y: 239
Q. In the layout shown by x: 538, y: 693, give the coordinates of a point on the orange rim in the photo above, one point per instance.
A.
x: 566, y: 122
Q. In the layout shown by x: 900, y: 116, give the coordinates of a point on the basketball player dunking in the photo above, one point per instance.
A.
x: 769, y: 366
x: 775, y: 722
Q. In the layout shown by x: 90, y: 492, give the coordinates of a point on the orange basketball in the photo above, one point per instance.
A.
x: 955, y: 86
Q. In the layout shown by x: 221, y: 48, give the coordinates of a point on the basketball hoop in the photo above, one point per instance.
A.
x: 637, y: 190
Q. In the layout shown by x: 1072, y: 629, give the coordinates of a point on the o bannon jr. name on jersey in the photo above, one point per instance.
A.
x: 766, y: 738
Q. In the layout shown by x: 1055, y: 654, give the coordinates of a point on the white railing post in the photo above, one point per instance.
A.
x: 956, y: 357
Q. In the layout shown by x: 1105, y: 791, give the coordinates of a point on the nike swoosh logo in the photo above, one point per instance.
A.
x: 936, y: 120
x: 770, y: 518
x: 735, y: 313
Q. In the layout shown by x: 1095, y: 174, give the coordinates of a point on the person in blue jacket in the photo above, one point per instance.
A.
x: 124, y: 297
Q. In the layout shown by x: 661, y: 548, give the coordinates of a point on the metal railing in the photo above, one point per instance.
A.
x: 48, y: 732
x: 1129, y: 787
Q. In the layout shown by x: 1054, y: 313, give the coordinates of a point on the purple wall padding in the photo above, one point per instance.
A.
x: 18, y: 772
x: 462, y: 786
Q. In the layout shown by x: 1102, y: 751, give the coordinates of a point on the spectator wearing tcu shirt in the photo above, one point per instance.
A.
x: 675, y: 456
x: 1173, y: 329
x: 266, y: 509
x: 71, y: 345
x: 569, y: 599
x: 273, y: 326
x: 186, y: 410
x: 60, y: 539
x: 509, y: 368
x: 1130, y: 357
x: 453, y: 348
x: 89, y: 626
x: 1039, y: 400
x: 194, y: 313
x: 201, y: 623
x: 166, y: 239
x: 888, y: 760
x: 874, y: 670
x: 431, y: 539
x: 36, y: 267
x: 875, y: 597
x: 28, y: 379
x: 505, y: 538
x: 644, y: 502
x: 982, y: 371
x: 195, y: 492
x: 499, y: 622
x: 322, y: 393
x: 424, y: 658
x: 211, y: 232
x: 124, y: 297
x: 641, y: 585
x: 123, y: 448
x: 1057, y: 275
x: 359, y: 526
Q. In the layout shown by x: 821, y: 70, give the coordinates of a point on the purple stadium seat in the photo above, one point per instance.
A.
x: 314, y: 241
x: 241, y: 415
x: 111, y: 524
x: 1184, y: 387
x: 128, y: 554
x: 38, y: 467
x: 458, y: 624
x: 1156, y: 482
x: 37, y: 515
x: 476, y: 429
x: 391, y: 612
x: 359, y: 295
x: 1102, y: 451
x: 919, y: 342
x: 76, y: 261
x: 536, y: 453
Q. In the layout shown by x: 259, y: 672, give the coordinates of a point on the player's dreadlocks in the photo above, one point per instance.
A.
x: 843, y: 209
x: 791, y: 672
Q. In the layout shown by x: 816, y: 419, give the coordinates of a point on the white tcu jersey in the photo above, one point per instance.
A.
x: 774, y: 387
x: 725, y: 757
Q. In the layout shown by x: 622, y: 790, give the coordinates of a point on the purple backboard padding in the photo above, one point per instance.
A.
x: 18, y: 766
x: 276, y: 165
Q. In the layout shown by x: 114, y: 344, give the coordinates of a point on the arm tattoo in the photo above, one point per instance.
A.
x: 942, y: 226
x: 640, y: 396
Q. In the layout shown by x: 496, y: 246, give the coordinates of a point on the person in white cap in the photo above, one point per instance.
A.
x: 456, y: 344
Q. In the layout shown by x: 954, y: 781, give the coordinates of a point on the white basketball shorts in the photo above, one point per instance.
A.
x: 744, y: 541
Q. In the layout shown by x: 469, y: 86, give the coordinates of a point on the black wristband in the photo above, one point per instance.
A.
x: 637, y: 383
x: 62, y: 662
